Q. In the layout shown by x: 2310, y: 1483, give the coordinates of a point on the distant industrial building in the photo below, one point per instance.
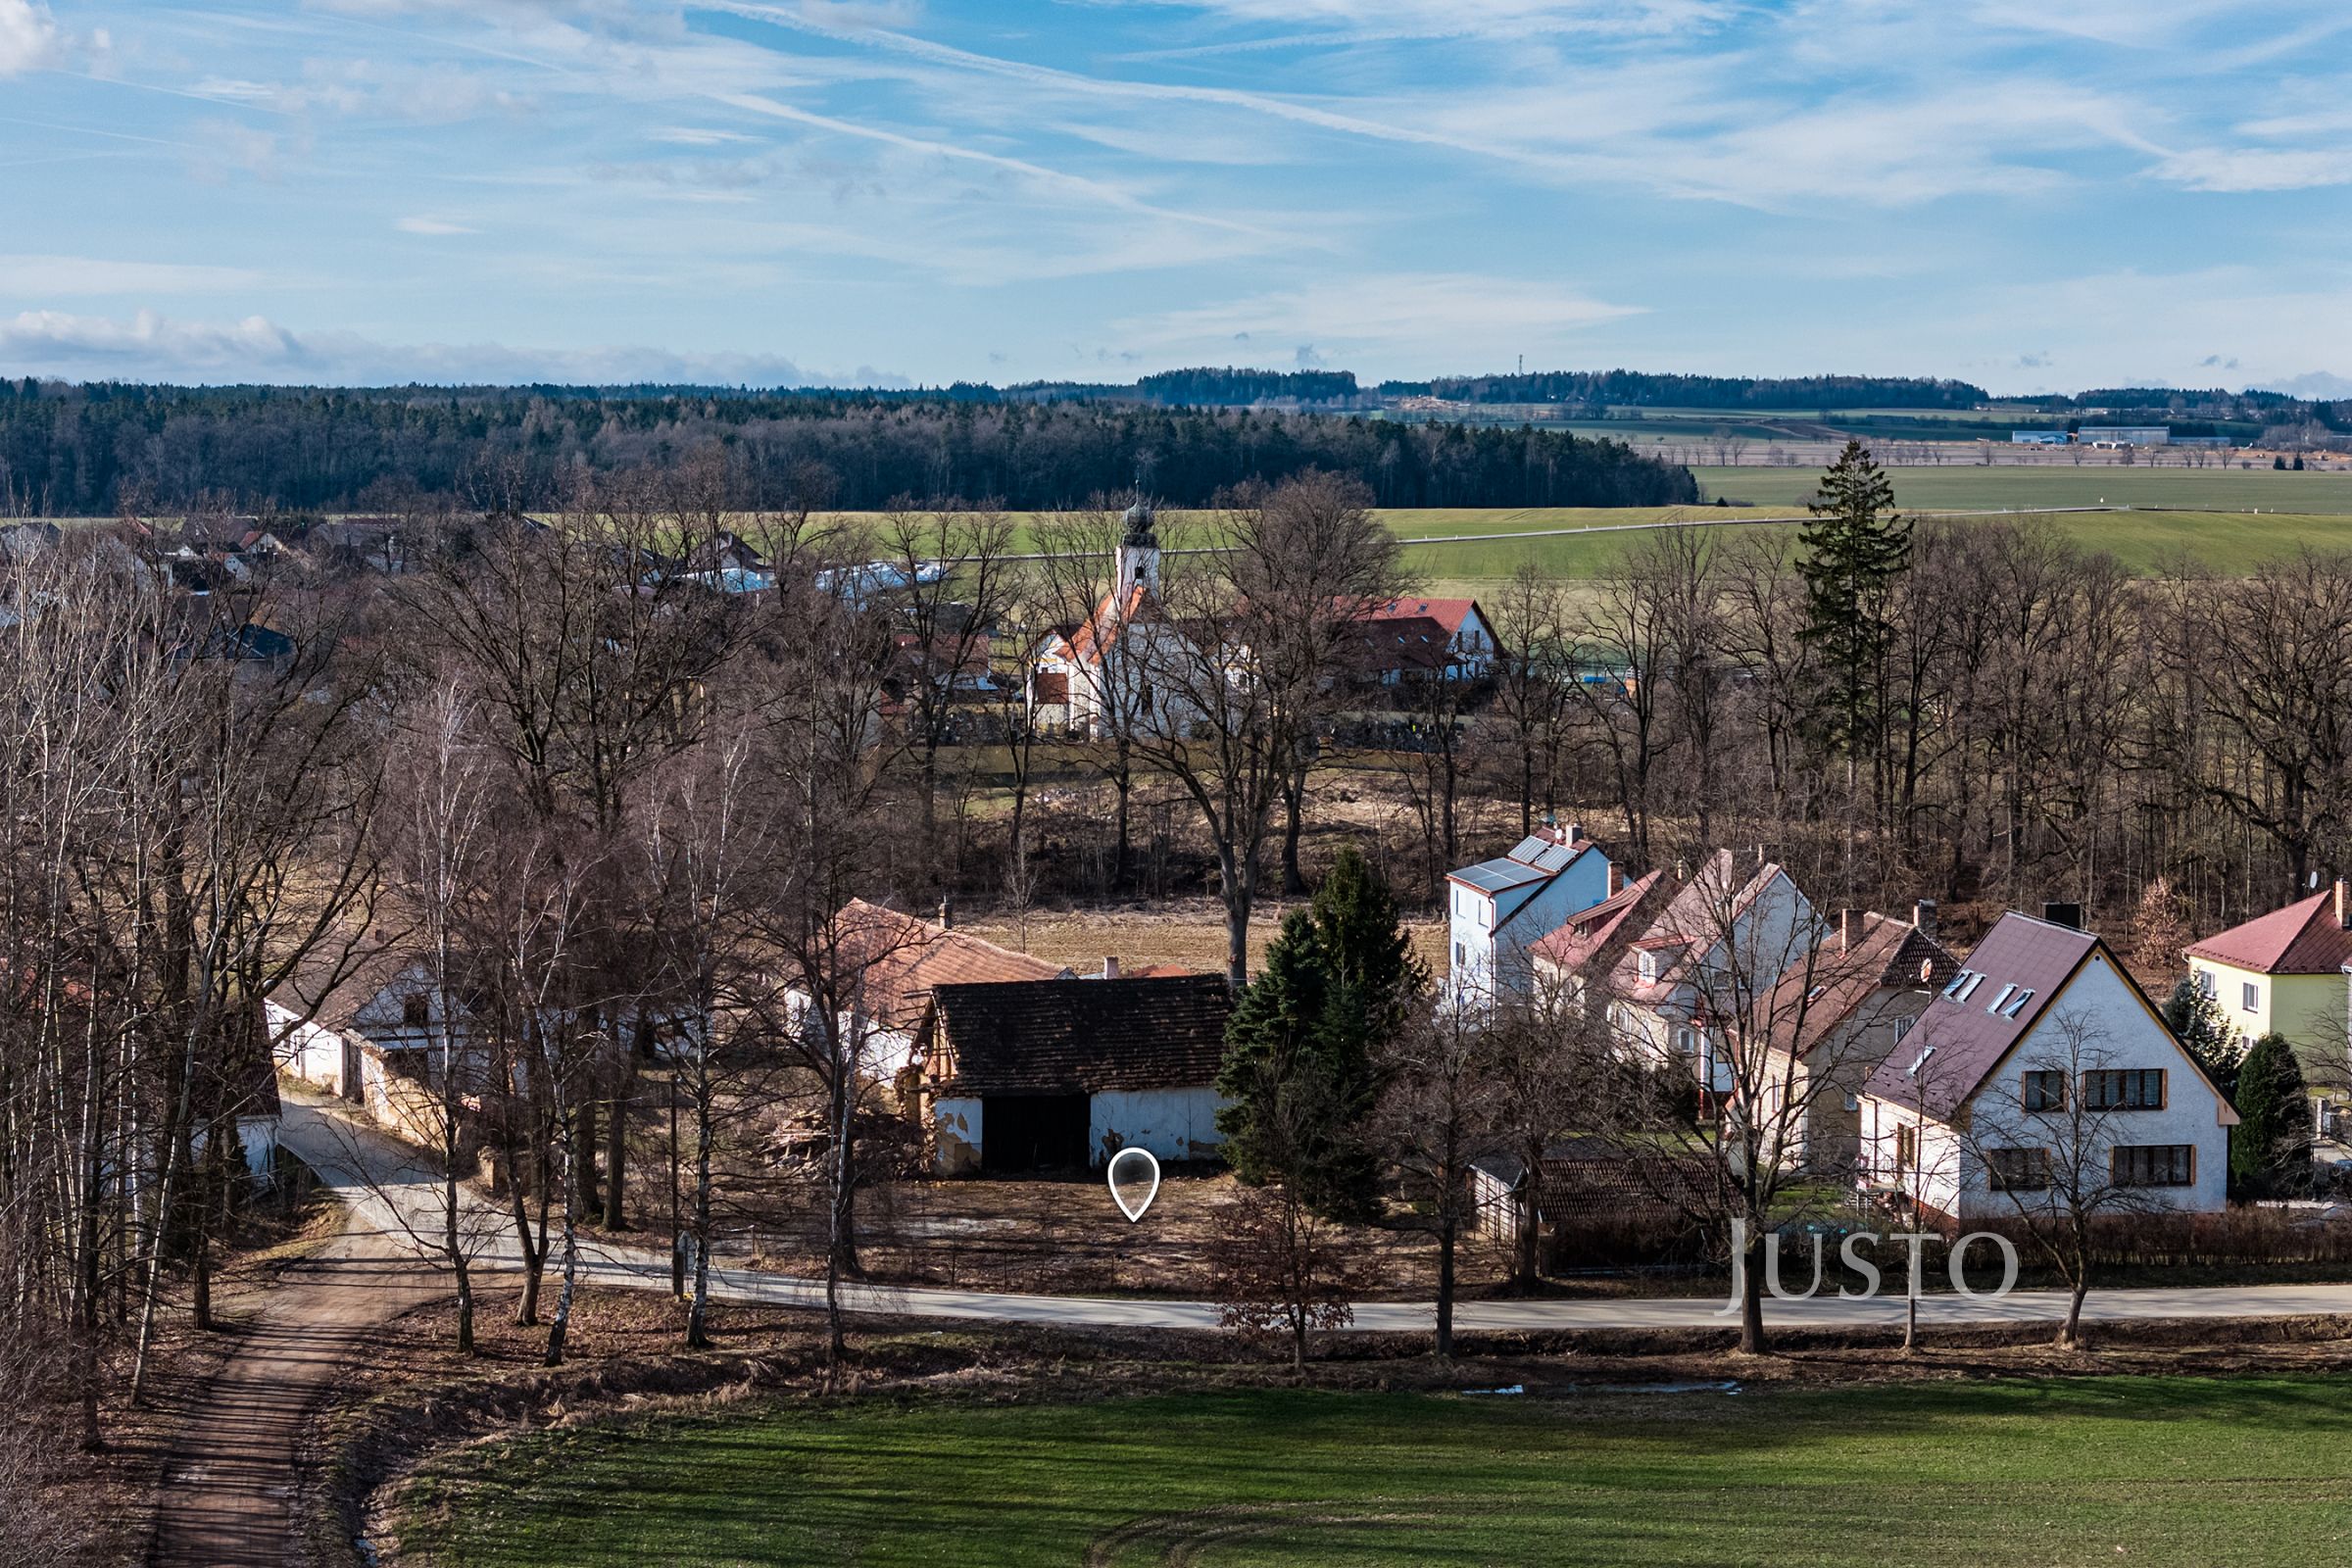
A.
x: 2039, y: 438
x: 2125, y: 435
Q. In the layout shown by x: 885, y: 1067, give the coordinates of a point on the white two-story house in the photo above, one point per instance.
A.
x: 1498, y: 910
x: 2040, y: 1076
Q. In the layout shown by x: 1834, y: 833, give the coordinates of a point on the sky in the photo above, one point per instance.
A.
x: 2028, y: 194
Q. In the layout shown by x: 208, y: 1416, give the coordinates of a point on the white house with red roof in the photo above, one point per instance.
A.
x: 2284, y: 971
x: 1469, y: 647
x: 1721, y: 944
x: 2041, y: 1074
x: 1498, y: 910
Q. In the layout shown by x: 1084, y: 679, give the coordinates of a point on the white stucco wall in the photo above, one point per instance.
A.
x: 1172, y: 1123
x: 311, y: 1051
x: 1493, y: 935
x: 2120, y: 1034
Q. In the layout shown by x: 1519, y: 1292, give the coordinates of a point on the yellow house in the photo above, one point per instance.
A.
x: 2284, y: 971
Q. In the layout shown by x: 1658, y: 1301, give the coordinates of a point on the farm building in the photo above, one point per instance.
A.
x: 2039, y: 438
x: 366, y: 1029
x: 2042, y: 1075
x: 2125, y: 435
x: 1062, y: 1074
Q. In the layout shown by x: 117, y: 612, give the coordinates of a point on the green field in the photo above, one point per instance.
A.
x: 1984, y: 1474
x: 1968, y: 486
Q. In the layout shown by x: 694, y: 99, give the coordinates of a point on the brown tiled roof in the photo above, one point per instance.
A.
x: 1695, y: 923
x: 1448, y: 614
x: 898, y: 960
x: 1590, y: 934
x: 1968, y: 1037
x: 2303, y: 937
x: 1067, y: 1037
x: 1812, y: 998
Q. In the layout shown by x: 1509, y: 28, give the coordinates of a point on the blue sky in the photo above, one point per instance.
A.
x: 2032, y: 194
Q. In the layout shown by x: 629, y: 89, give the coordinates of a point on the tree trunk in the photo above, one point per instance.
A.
x: 1294, y: 806
x: 1530, y: 1240
x: 1751, y: 1297
x: 1446, y: 1243
x: 583, y: 1161
x: 617, y: 1145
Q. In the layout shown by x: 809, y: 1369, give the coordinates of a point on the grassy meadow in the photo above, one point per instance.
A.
x: 1956, y: 487
x: 2222, y: 1473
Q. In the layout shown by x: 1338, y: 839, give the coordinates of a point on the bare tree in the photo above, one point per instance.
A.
x: 1254, y: 633
x: 1443, y: 1106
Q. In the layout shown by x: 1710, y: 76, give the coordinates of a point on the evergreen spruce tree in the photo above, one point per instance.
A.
x: 1274, y: 1062
x: 2270, y: 1148
x: 1855, y: 547
x: 1375, y: 978
x: 2204, y: 1029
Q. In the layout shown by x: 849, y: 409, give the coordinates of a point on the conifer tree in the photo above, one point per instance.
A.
x: 2204, y: 1030
x: 1855, y: 547
x: 1273, y: 1058
x: 2270, y: 1148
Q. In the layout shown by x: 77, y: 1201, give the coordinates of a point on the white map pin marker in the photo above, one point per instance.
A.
x: 1112, y: 1172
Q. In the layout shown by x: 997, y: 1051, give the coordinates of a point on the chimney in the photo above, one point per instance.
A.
x: 1576, y: 834
x: 2069, y: 915
x: 2344, y: 905
x: 947, y: 911
x: 1111, y: 967
x: 1851, y: 925
x: 1923, y: 918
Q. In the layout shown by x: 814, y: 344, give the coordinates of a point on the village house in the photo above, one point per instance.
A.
x: 2040, y: 1074
x: 1451, y: 636
x: 889, y: 966
x: 1722, y: 943
x: 368, y: 1029
x: 1499, y: 910
x: 1567, y: 963
x: 1062, y: 1074
x: 2283, y: 972
x: 1833, y: 1018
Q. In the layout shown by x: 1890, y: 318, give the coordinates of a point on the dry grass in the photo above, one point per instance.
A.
x: 1191, y: 933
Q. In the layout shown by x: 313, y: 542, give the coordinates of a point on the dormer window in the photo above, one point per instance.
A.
x: 1649, y: 968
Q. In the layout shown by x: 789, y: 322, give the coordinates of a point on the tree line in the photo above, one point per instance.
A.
x: 91, y: 449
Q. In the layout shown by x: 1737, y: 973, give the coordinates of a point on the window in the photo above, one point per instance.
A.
x: 2006, y: 992
x: 1649, y: 968
x: 2136, y: 1089
x: 1853, y: 1101
x: 414, y: 1012
x: 2208, y: 984
x: 2250, y: 997
x: 2018, y: 1170
x: 1906, y: 1149
x: 2015, y: 1003
x: 1459, y: 959
x: 1958, y: 980
x: 2045, y: 1091
x: 1968, y: 987
x: 2154, y: 1164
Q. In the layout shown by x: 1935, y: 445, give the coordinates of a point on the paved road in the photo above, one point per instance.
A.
x: 392, y: 1193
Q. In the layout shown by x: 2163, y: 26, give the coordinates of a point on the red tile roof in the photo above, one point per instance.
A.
x: 1589, y: 932
x: 903, y: 958
x: 2303, y: 938
x: 1446, y: 613
x: 1814, y: 998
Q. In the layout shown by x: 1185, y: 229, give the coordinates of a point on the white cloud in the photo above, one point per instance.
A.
x: 151, y: 346
x: 2244, y: 169
x: 432, y: 225
x: 1428, y: 319
x: 28, y: 38
x: 34, y: 276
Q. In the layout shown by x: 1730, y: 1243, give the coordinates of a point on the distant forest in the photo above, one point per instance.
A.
x: 69, y: 450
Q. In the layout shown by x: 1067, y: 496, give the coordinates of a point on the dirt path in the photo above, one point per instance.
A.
x: 228, y: 1476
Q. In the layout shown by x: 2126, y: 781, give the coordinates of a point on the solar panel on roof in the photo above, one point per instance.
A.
x: 1527, y: 848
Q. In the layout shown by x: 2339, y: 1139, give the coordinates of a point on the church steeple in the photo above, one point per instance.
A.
x: 1138, y: 550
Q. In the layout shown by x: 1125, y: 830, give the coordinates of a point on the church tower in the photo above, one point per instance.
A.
x: 1139, y: 552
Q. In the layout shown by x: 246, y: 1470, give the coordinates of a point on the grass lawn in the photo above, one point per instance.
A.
x: 2171, y: 1471
x: 1963, y: 486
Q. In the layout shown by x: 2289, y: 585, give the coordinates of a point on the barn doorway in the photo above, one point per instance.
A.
x: 1033, y: 1132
